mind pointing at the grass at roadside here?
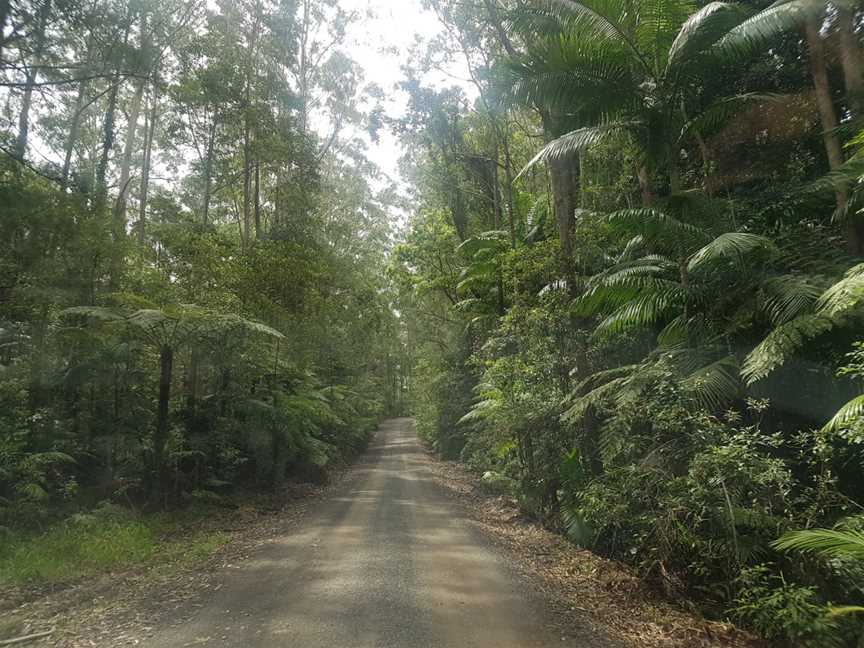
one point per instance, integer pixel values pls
(107, 539)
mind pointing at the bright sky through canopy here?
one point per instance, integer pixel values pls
(380, 42)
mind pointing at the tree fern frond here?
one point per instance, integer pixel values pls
(96, 312)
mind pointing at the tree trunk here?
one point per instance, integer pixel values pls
(303, 72)
(645, 186)
(107, 145)
(247, 174)
(850, 57)
(5, 10)
(564, 177)
(145, 165)
(257, 200)
(74, 126)
(828, 118)
(32, 73)
(160, 437)
(126, 163)
(208, 171)
(508, 179)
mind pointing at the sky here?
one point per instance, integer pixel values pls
(388, 24)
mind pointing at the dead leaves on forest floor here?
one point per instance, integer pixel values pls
(583, 588)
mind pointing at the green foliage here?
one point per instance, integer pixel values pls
(654, 377)
(782, 610)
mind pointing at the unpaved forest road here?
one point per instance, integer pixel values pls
(386, 562)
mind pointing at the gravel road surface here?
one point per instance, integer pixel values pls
(387, 561)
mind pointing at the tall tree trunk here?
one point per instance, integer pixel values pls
(850, 56)
(645, 185)
(145, 165)
(247, 172)
(107, 145)
(74, 125)
(5, 10)
(108, 131)
(208, 171)
(564, 178)
(32, 73)
(118, 224)
(247, 124)
(303, 73)
(126, 162)
(828, 118)
(508, 179)
(160, 436)
(258, 199)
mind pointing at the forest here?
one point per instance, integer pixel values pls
(620, 276)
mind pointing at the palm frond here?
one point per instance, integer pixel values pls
(657, 227)
(729, 246)
(575, 141)
(781, 343)
(658, 25)
(718, 113)
(845, 294)
(788, 296)
(714, 384)
(581, 404)
(644, 310)
(700, 31)
(851, 411)
(828, 543)
(760, 31)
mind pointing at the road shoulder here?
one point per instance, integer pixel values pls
(582, 591)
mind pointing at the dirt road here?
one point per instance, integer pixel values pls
(386, 562)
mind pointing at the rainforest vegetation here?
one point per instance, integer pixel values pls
(632, 284)
(621, 278)
(191, 290)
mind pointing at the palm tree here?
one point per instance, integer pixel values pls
(688, 286)
(637, 69)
